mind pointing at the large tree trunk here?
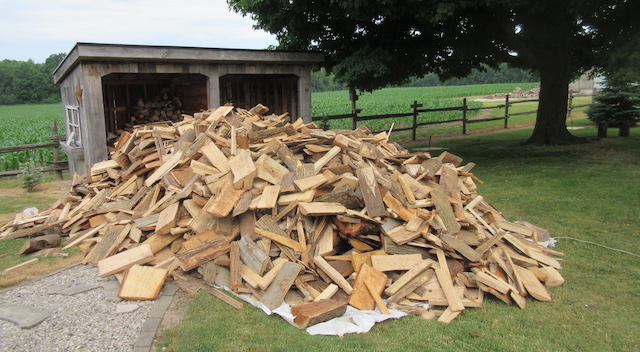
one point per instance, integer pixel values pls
(551, 119)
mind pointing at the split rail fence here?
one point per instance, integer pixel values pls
(56, 165)
(464, 118)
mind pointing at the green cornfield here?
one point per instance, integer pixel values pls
(28, 124)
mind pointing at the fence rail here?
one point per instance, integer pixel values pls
(464, 108)
(56, 165)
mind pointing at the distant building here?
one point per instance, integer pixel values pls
(587, 84)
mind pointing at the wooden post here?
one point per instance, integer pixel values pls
(415, 107)
(506, 111)
(353, 96)
(56, 149)
(464, 116)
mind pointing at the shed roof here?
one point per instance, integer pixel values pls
(153, 53)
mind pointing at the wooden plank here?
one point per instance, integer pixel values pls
(333, 274)
(266, 280)
(269, 197)
(311, 313)
(243, 170)
(395, 262)
(84, 236)
(408, 276)
(535, 288)
(252, 255)
(361, 297)
(274, 295)
(448, 316)
(376, 297)
(311, 182)
(286, 199)
(328, 292)
(167, 218)
(459, 246)
(371, 192)
(167, 166)
(270, 170)
(102, 249)
(444, 278)
(223, 203)
(396, 206)
(124, 260)
(411, 286)
(235, 264)
(279, 238)
(142, 283)
(21, 265)
(318, 165)
(216, 157)
(321, 208)
(443, 206)
(203, 253)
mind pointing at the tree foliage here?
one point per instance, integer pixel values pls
(372, 43)
(27, 82)
(616, 105)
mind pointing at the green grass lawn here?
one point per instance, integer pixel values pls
(587, 191)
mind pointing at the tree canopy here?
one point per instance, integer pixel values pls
(27, 82)
(372, 43)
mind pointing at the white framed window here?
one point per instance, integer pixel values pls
(72, 120)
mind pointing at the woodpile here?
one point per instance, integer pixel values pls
(165, 107)
(285, 211)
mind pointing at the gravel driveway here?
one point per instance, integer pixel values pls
(86, 321)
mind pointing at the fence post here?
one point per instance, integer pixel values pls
(415, 107)
(506, 111)
(353, 96)
(464, 116)
(56, 149)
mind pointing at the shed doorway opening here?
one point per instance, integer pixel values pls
(278, 92)
(136, 98)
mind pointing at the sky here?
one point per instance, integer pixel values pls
(35, 29)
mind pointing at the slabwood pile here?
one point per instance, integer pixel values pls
(285, 211)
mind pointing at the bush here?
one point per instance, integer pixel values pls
(31, 176)
(616, 106)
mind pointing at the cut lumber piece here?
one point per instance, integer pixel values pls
(534, 287)
(243, 170)
(309, 314)
(318, 165)
(444, 278)
(203, 253)
(222, 204)
(333, 274)
(106, 245)
(400, 235)
(250, 276)
(124, 260)
(311, 182)
(408, 276)
(286, 199)
(270, 170)
(358, 259)
(84, 236)
(371, 192)
(216, 157)
(21, 265)
(274, 295)
(167, 218)
(266, 280)
(459, 246)
(321, 208)
(376, 297)
(448, 316)
(235, 265)
(269, 197)
(396, 206)
(328, 292)
(361, 297)
(142, 283)
(279, 238)
(395, 262)
(550, 276)
(411, 286)
(254, 257)
(167, 166)
(484, 246)
(441, 201)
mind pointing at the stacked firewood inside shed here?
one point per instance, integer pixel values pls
(285, 211)
(167, 106)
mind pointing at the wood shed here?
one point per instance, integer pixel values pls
(105, 86)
